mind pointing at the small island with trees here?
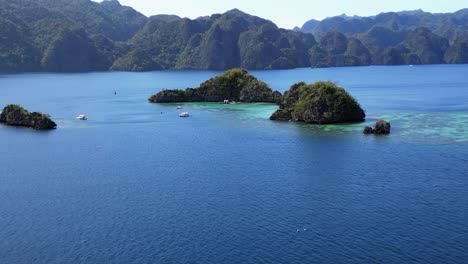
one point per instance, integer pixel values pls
(16, 115)
(233, 85)
(320, 103)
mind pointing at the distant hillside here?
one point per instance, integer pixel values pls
(82, 35)
(64, 35)
(449, 25)
(221, 41)
(407, 37)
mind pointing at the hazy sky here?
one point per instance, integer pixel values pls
(288, 14)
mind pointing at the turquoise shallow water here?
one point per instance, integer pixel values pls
(137, 184)
(437, 127)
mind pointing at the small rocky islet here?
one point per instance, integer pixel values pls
(320, 102)
(381, 127)
(16, 115)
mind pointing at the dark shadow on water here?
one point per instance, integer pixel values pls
(324, 129)
(27, 129)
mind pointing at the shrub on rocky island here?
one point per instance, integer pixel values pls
(16, 115)
(320, 102)
(233, 85)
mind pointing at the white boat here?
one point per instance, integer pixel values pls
(184, 114)
(178, 107)
(81, 117)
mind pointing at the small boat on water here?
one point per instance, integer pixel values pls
(81, 117)
(178, 107)
(184, 114)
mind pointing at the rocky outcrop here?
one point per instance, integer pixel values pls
(281, 115)
(321, 103)
(233, 85)
(15, 115)
(368, 130)
(381, 127)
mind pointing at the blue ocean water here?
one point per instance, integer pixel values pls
(137, 184)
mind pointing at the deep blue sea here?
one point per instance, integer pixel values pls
(135, 183)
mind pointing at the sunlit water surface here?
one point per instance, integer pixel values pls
(137, 184)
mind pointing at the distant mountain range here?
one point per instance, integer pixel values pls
(407, 37)
(82, 35)
(448, 25)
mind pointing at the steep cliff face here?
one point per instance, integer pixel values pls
(429, 47)
(17, 53)
(335, 49)
(458, 52)
(108, 18)
(70, 51)
(84, 35)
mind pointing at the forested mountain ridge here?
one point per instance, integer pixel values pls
(221, 41)
(82, 35)
(447, 25)
(407, 37)
(64, 35)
